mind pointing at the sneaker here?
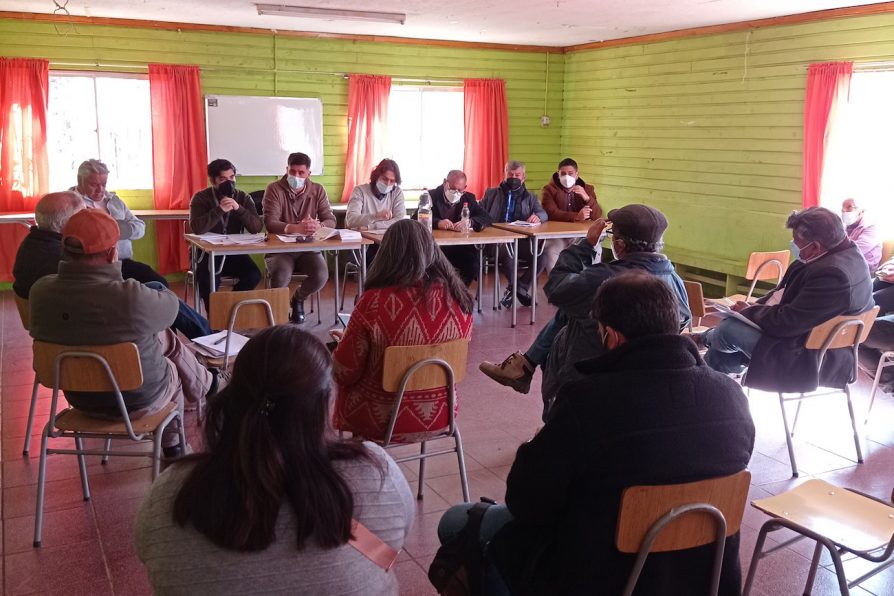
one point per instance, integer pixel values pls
(524, 299)
(506, 300)
(515, 372)
(297, 316)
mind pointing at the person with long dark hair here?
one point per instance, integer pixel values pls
(269, 505)
(379, 203)
(413, 297)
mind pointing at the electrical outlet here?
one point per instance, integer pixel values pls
(544, 121)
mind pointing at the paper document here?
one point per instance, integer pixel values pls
(216, 343)
(524, 224)
(727, 313)
(350, 235)
(288, 237)
(325, 234)
(232, 238)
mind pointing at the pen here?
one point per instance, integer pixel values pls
(220, 340)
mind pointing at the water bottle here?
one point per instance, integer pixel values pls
(465, 218)
(423, 214)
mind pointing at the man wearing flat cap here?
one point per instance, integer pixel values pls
(89, 303)
(572, 335)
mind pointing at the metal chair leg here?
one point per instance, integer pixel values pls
(421, 470)
(756, 556)
(461, 459)
(107, 448)
(797, 413)
(82, 466)
(814, 564)
(31, 409)
(788, 438)
(850, 410)
(41, 486)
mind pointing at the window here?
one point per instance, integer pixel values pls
(425, 133)
(102, 116)
(857, 161)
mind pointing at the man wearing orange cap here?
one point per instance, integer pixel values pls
(89, 303)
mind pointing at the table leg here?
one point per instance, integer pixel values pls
(211, 273)
(361, 278)
(335, 260)
(515, 281)
(496, 276)
(480, 273)
(533, 288)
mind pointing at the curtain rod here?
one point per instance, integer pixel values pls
(344, 75)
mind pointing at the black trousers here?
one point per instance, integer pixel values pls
(465, 260)
(238, 266)
(141, 272)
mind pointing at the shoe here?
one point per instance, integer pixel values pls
(699, 340)
(297, 311)
(175, 451)
(506, 300)
(515, 372)
(219, 380)
(524, 299)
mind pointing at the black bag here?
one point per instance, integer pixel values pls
(457, 569)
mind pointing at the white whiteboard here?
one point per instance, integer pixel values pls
(257, 134)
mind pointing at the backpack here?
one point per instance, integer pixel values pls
(457, 569)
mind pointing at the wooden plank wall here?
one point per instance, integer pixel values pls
(708, 129)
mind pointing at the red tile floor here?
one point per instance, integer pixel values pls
(87, 547)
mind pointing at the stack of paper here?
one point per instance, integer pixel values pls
(325, 234)
(233, 238)
(525, 224)
(350, 235)
(215, 344)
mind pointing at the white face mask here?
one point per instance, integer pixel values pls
(850, 217)
(453, 196)
(295, 182)
(384, 188)
(567, 181)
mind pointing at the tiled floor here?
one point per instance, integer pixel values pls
(87, 547)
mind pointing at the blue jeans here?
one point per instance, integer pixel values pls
(188, 321)
(543, 343)
(497, 516)
(730, 345)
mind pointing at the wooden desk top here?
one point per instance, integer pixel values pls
(26, 219)
(273, 245)
(550, 229)
(150, 214)
(448, 238)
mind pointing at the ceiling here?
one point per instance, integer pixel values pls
(528, 22)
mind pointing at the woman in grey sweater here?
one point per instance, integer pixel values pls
(268, 507)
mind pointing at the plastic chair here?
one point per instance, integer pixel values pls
(190, 281)
(840, 332)
(410, 368)
(114, 368)
(841, 520)
(763, 266)
(674, 517)
(253, 309)
(696, 298)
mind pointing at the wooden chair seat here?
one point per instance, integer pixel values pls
(72, 420)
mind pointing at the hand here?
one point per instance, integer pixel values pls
(740, 305)
(462, 226)
(445, 224)
(383, 215)
(583, 214)
(309, 226)
(533, 219)
(581, 192)
(594, 232)
(292, 229)
(337, 335)
(228, 204)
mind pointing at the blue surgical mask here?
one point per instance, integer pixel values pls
(384, 188)
(796, 252)
(295, 182)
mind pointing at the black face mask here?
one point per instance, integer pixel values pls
(513, 183)
(227, 188)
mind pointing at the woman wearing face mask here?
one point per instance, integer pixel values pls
(567, 198)
(379, 203)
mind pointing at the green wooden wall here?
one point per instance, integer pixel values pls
(270, 65)
(708, 128)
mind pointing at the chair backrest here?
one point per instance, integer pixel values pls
(80, 373)
(696, 298)
(249, 316)
(842, 332)
(399, 359)
(767, 265)
(258, 197)
(642, 506)
(24, 308)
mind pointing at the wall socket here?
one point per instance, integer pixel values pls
(544, 121)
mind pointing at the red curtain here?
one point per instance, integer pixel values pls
(24, 167)
(827, 84)
(486, 133)
(367, 116)
(179, 153)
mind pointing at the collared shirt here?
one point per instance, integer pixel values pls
(131, 227)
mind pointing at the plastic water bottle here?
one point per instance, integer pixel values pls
(423, 214)
(465, 219)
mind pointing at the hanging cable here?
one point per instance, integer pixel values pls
(61, 10)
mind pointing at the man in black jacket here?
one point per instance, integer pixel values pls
(509, 202)
(447, 202)
(649, 411)
(830, 278)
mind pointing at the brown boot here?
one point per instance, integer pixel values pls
(516, 372)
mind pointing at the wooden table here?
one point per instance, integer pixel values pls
(546, 231)
(487, 236)
(274, 245)
(24, 219)
(27, 218)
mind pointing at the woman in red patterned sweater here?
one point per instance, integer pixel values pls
(413, 297)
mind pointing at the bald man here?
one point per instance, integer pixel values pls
(41, 250)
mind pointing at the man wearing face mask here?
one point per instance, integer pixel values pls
(509, 202)
(448, 201)
(829, 279)
(295, 204)
(567, 198)
(863, 232)
(223, 209)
